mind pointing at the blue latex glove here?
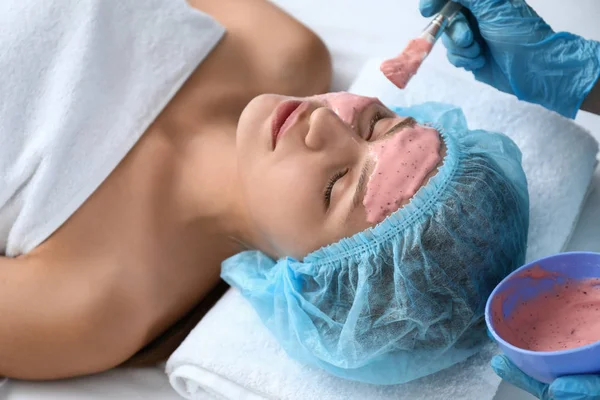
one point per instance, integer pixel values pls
(575, 387)
(508, 46)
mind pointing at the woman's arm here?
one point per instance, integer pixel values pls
(592, 101)
(51, 326)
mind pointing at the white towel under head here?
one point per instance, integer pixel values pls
(231, 355)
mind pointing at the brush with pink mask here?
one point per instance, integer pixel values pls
(401, 68)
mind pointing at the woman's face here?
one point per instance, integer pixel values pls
(305, 164)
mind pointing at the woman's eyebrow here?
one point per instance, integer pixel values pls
(360, 186)
(408, 121)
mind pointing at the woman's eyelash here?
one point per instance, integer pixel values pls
(330, 185)
(374, 119)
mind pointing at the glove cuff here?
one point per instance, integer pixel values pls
(594, 77)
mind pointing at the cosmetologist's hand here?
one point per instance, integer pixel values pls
(508, 46)
(575, 387)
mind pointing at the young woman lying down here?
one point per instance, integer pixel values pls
(148, 148)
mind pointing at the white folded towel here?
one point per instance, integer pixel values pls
(231, 355)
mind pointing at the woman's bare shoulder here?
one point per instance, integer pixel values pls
(280, 54)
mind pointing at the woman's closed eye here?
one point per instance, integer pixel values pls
(375, 118)
(330, 184)
(382, 123)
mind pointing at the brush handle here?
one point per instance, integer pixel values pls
(450, 10)
(438, 24)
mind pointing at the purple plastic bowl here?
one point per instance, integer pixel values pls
(545, 366)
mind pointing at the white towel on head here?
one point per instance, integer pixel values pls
(230, 354)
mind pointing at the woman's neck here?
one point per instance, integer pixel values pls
(205, 192)
(200, 125)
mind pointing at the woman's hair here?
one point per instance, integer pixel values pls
(164, 345)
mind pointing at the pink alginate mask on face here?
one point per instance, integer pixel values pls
(401, 68)
(403, 162)
(346, 105)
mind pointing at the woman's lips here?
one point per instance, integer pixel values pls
(286, 115)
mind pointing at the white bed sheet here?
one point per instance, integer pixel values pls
(118, 384)
(354, 30)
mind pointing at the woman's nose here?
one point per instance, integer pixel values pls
(327, 131)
